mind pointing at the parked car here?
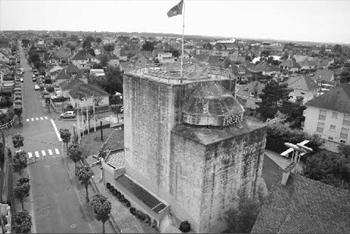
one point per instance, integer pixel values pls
(22, 80)
(34, 79)
(36, 87)
(67, 115)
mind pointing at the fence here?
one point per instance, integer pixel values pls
(8, 124)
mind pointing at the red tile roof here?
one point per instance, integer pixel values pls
(304, 206)
(337, 99)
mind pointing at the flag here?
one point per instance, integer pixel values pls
(176, 10)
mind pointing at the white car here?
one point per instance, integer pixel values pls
(36, 87)
(67, 114)
(22, 80)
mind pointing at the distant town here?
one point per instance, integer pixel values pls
(159, 133)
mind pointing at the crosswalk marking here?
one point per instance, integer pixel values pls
(37, 119)
(44, 153)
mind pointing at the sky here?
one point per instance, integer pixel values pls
(295, 20)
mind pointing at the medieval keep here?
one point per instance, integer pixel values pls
(188, 149)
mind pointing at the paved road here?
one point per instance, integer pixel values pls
(57, 207)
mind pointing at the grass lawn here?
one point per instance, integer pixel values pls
(112, 139)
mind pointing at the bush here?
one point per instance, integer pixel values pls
(50, 89)
(132, 210)
(108, 185)
(278, 134)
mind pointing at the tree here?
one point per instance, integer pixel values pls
(18, 112)
(108, 47)
(114, 80)
(272, 95)
(104, 59)
(265, 53)
(148, 46)
(73, 37)
(19, 161)
(294, 110)
(98, 40)
(22, 189)
(75, 153)
(33, 57)
(22, 222)
(242, 218)
(337, 49)
(65, 136)
(17, 140)
(86, 44)
(329, 168)
(84, 174)
(90, 38)
(344, 150)
(102, 208)
(57, 42)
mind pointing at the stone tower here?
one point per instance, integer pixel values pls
(187, 142)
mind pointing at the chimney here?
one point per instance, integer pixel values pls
(286, 172)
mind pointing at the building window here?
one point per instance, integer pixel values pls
(332, 128)
(320, 127)
(346, 120)
(344, 133)
(322, 115)
(330, 138)
(302, 93)
(342, 141)
(335, 115)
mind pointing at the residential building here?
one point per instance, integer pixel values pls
(63, 88)
(4, 57)
(290, 65)
(83, 96)
(328, 115)
(303, 86)
(83, 60)
(297, 204)
(250, 94)
(324, 76)
(69, 72)
(166, 57)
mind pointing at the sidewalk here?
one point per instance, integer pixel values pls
(126, 222)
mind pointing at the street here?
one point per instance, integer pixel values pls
(56, 205)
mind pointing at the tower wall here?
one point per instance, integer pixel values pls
(231, 165)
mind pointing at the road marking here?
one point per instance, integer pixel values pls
(32, 119)
(43, 152)
(41, 118)
(37, 154)
(27, 120)
(57, 133)
(30, 155)
(57, 151)
(45, 117)
(37, 118)
(50, 151)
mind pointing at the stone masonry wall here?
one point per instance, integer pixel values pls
(231, 165)
(186, 178)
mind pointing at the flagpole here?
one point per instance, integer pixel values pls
(182, 46)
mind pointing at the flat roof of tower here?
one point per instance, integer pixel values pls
(191, 72)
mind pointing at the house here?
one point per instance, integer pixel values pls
(290, 65)
(69, 72)
(267, 69)
(84, 94)
(307, 65)
(166, 57)
(83, 60)
(200, 58)
(324, 76)
(303, 86)
(141, 61)
(250, 93)
(297, 204)
(4, 57)
(241, 73)
(323, 63)
(64, 87)
(328, 115)
(215, 61)
(59, 55)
